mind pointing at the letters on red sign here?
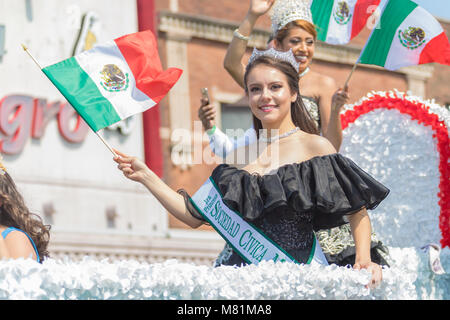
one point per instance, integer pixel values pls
(22, 116)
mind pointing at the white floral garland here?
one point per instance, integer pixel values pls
(440, 111)
(92, 279)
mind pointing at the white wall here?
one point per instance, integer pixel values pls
(80, 179)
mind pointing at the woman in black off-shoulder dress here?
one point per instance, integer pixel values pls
(303, 186)
(297, 199)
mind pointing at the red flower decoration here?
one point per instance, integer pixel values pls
(421, 113)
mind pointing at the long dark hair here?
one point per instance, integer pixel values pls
(14, 213)
(300, 116)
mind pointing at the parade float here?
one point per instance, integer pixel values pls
(401, 140)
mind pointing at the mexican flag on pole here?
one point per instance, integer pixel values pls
(339, 21)
(406, 35)
(115, 80)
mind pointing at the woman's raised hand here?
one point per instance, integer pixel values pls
(340, 97)
(131, 167)
(207, 114)
(260, 7)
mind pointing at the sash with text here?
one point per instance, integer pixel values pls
(251, 244)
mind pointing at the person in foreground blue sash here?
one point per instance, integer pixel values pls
(303, 186)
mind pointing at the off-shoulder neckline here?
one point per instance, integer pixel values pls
(275, 171)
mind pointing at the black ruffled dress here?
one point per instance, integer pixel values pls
(298, 199)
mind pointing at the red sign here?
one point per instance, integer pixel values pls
(23, 116)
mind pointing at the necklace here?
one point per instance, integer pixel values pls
(281, 136)
(304, 72)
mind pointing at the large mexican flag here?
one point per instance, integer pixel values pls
(339, 21)
(115, 80)
(406, 35)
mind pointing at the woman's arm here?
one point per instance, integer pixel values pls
(334, 132)
(136, 170)
(233, 58)
(361, 231)
(221, 144)
(330, 104)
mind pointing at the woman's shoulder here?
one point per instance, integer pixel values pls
(323, 80)
(318, 145)
(303, 147)
(15, 235)
(19, 244)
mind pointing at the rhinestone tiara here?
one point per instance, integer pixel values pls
(287, 56)
(285, 11)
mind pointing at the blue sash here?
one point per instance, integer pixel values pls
(251, 244)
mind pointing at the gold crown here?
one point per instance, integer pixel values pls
(2, 167)
(285, 11)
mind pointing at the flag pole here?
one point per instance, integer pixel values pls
(376, 26)
(351, 73)
(100, 137)
(29, 54)
(106, 144)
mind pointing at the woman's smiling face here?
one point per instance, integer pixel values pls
(302, 44)
(269, 94)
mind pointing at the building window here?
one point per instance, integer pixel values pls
(49, 211)
(111, 216)
(236, 116)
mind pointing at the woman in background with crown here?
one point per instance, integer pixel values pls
(304, 186)
(23, 235)
(293, 29)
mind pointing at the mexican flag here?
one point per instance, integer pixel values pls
(339, 21)
(114, 81)
(406, 35)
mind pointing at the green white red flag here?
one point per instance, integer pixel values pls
(406, 35)
(115, 80)
(339, 21)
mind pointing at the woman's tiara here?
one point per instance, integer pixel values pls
(285, 11)
(287, 56)
(2, 167)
